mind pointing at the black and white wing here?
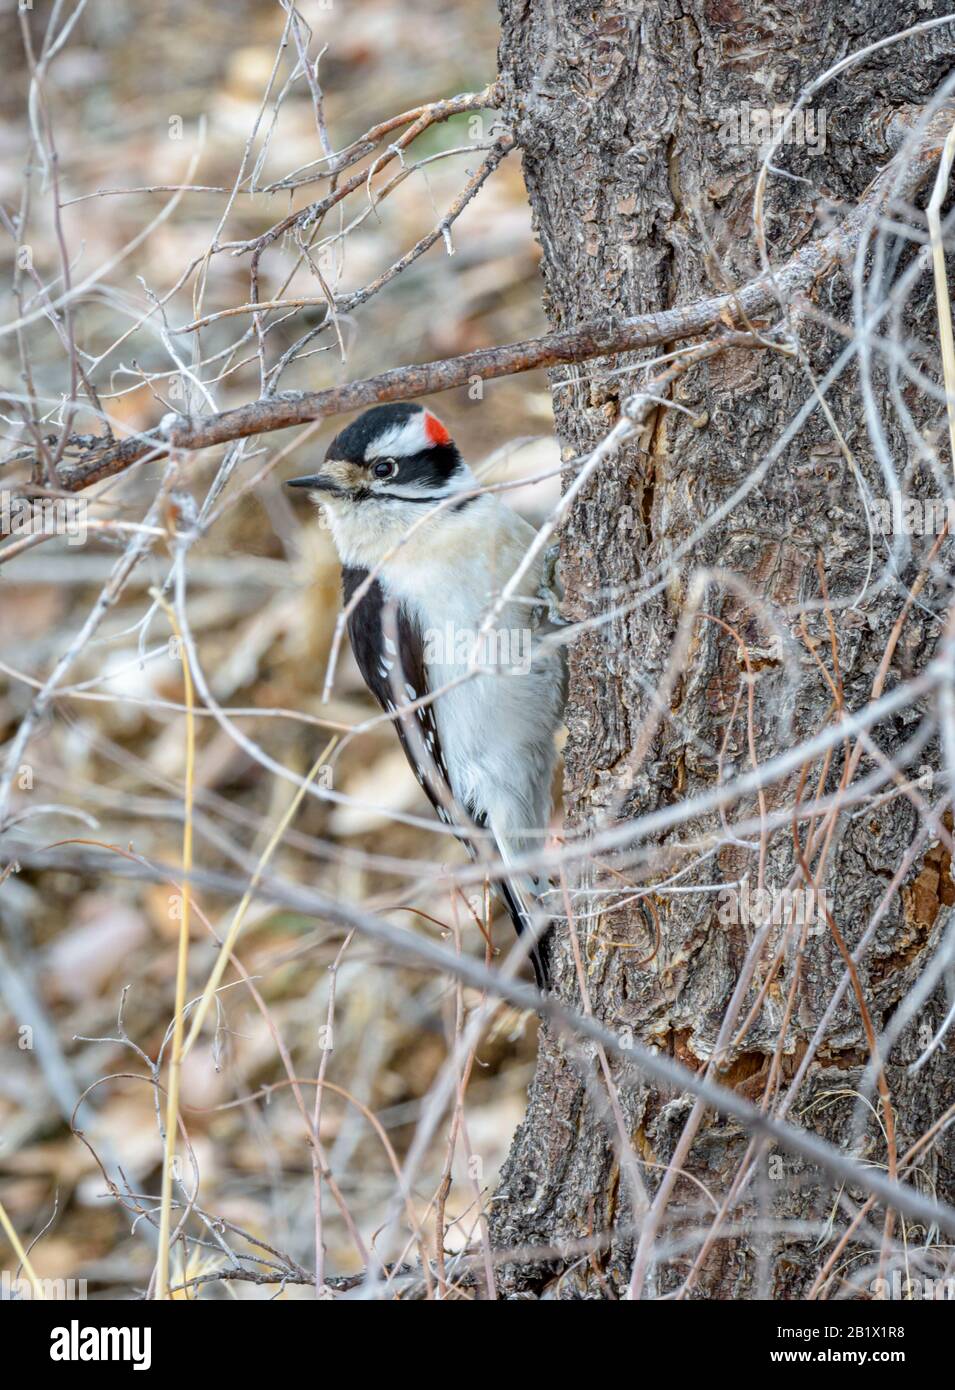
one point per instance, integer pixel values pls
(394, 666)
(394, 670)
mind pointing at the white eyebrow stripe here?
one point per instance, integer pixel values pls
(400, 441)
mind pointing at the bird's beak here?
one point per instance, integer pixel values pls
(315, 482)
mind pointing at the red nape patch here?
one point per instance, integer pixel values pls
(434, 429)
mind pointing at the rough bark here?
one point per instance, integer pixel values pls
(640, 206)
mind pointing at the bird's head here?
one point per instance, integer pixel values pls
(382, 473)
(391, 454)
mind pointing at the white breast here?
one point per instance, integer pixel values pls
(496, 730)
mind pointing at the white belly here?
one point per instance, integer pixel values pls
(496, 729)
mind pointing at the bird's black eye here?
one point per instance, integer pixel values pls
(385, 468)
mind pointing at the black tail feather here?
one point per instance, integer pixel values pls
(539, 952)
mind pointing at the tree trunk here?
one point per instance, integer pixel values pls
(642, 192)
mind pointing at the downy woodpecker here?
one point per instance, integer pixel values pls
(483, 747)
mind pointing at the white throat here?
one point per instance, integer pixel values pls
(367, 532)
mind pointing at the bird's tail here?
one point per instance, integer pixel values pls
(521, 894)
(527, 915)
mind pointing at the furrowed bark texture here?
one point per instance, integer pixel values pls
(640, 204)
